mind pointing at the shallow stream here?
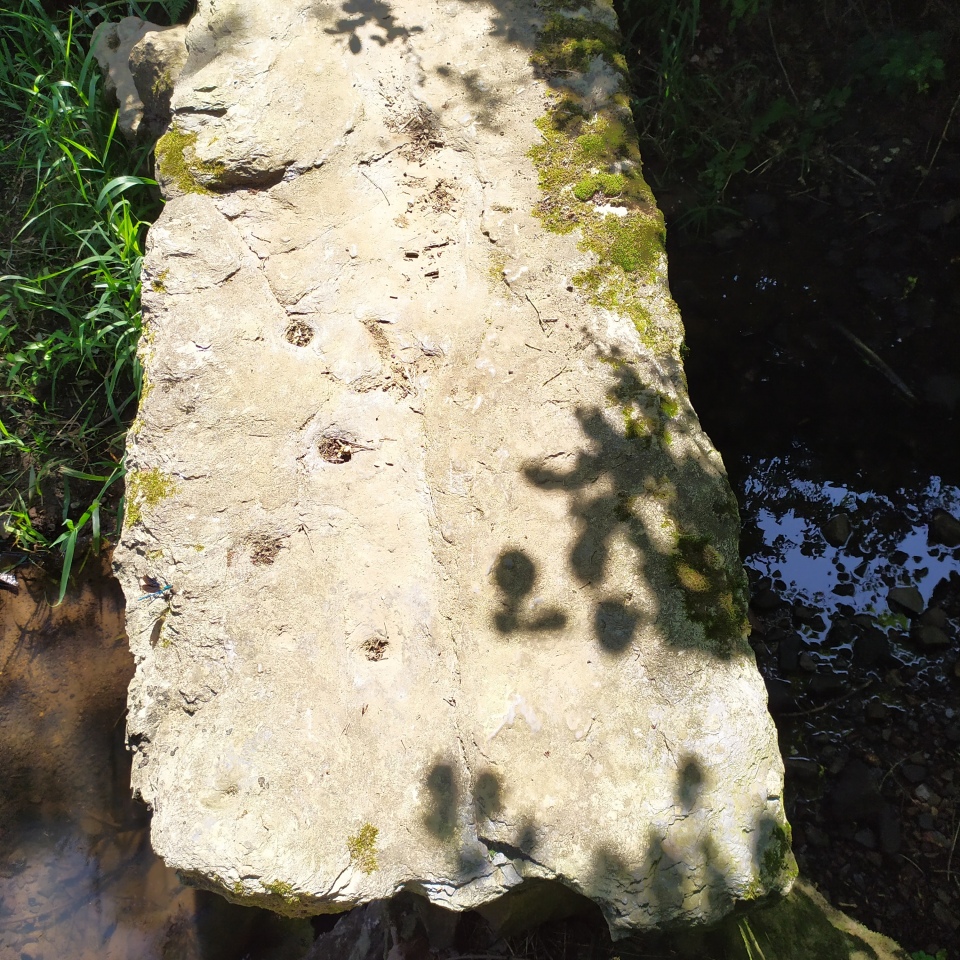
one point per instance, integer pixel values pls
(825, 365)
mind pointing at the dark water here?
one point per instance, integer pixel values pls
(78, 878)
(828, 375)
(825, 365)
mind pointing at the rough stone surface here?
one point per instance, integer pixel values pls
(449, 592)
(141, 61)
(155, 63)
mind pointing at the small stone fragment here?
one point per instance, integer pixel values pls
(944, 528)
(914, 772)
(804, 613)
(876, 711)
(836, 531)
(906, 600)
(930, 637)
(934, 617)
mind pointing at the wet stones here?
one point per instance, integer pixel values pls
(836, 531)
(944, 528)
(906, 600)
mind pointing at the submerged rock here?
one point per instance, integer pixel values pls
(906, 600)
(451, 596)
(836, 531)
(944, 528)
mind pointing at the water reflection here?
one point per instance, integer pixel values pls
(889, 544)
(787, 510)
(78, 878)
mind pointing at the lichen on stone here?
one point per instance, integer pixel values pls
(145, 489)
(714, 592)
(363, 848)
(177, 161)
(158, 284)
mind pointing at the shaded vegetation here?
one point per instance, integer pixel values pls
(746, 92)
(75, 203)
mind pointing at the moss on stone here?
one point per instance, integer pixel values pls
(363, 848)
(145, 489)
(590, 154)
(778, 856)
(498, 262)
(607, 184)
(715, 595)
(571, 43)
(646, 412)
(190, 175)
(778, 866)
(280, 888)
(163, 85)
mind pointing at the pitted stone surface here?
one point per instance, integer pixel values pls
(446, 541)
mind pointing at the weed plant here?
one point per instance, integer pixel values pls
(728, 90)
(75, 203)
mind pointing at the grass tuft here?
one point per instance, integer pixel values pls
(75, 204)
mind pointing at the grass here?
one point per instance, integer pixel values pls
(75, 204)
(734, 91)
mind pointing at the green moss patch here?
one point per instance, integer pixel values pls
(778, 859)
(714, 594)
(607, 184)
(589, 171)
(571, 43)
(177, 161)
(145, 489)
(363, 848)
(281, 889)
(646, 413)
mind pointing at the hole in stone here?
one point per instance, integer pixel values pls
(299, 333)
(375, 648)
(264, 550)
(335, 449)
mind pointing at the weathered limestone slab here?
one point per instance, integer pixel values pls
(456, 592)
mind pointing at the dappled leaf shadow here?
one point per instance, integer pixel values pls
(515, 574)
(378, 13)
(624, 468)
(444, 798)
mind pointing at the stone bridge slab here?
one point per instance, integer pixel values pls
(447, 594)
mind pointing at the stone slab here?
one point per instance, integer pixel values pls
(455, 597)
